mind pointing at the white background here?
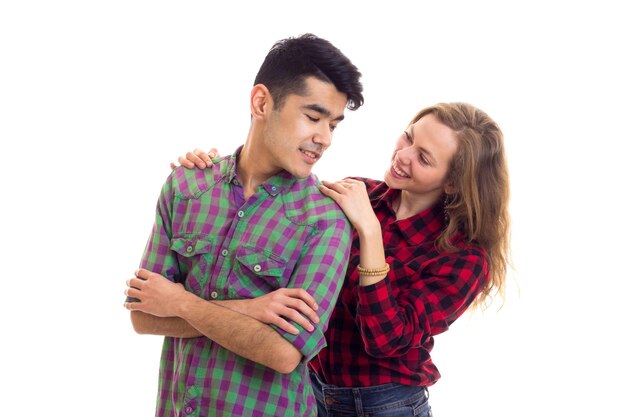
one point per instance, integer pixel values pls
(96, 98)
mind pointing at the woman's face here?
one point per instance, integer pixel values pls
(422, 157)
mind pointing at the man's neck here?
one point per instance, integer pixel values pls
(251, 171)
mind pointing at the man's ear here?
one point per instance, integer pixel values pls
(261, 102)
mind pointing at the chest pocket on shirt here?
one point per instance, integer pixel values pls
(256, 272)
(194, 258)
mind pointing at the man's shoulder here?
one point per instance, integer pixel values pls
(306, 202)
(192, 183)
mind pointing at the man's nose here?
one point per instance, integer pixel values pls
(324, 136)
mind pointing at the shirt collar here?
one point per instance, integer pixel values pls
(423, 226)
(274, 185)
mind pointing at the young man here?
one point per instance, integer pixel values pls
(255, 222)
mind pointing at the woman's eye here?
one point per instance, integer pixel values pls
(406, 135)
(423, 160)
(313, 119)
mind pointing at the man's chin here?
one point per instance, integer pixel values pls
(301, 173)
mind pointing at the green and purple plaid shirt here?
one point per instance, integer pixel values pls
(221, 247)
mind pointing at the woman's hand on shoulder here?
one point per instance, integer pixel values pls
(351, 195)
(197, 159)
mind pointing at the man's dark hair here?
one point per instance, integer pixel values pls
(292, 60)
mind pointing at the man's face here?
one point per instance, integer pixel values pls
(296, 136)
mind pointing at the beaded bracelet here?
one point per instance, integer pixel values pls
(371, 272)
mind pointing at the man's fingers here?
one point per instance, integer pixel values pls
(306, 311)
(303, 311)
(296, 317)
(300, 309)
(299, 306)
(303, 295)
(132, 293)
(142, 274)
(136, 306)
(285, 325)
(135, 283)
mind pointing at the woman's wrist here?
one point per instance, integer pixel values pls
(373, 272)
(369, 229)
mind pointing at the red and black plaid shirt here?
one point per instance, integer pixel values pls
(383, 332)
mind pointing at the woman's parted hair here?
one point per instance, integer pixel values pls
(478, 173)
(290, 61)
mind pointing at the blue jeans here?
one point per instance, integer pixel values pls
(389, 400)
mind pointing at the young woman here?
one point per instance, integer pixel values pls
(431, 240)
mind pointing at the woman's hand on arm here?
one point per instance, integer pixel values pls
(197, 159)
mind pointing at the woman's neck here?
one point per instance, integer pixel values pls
(408, 204)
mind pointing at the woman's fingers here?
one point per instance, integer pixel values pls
(196, 160)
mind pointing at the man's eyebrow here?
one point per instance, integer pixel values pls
(323, 111)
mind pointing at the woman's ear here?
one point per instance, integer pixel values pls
(261, 101)
(450, 188)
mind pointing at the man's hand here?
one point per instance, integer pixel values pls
(284, 304)
(156, 294)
